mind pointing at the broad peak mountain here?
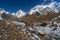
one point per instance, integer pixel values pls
(42, 9)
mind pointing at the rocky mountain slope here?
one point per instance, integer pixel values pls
(30, 27)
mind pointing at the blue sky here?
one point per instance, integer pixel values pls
(25, 5)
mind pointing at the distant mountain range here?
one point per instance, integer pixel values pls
(37, 10)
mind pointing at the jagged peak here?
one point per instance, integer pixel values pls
(20, 13)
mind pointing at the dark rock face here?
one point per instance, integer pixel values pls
(37, 13)
(43, 24)
(5, 16)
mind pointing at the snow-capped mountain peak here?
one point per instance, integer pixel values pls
(2, 10)
(37, 9)
(20, 13)
(42, 9)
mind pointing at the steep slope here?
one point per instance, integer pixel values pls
(1, 12)
(4, 14)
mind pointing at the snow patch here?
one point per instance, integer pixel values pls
(18, 23)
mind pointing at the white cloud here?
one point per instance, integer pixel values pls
(43, 2)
